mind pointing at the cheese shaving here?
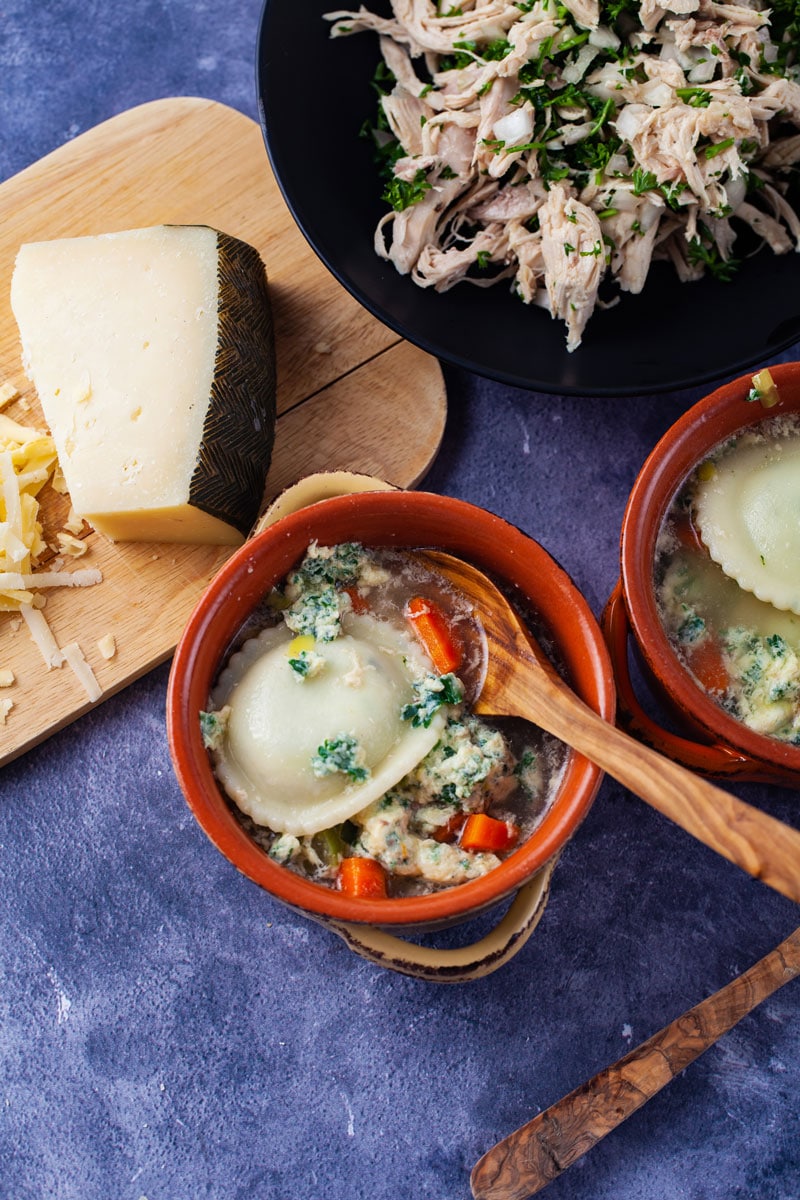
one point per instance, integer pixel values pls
(73, 656)
(50, 579)
(42, 635)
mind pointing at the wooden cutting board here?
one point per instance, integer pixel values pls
(344, 379)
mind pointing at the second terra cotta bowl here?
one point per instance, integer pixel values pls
(392, 519)
(703, 735)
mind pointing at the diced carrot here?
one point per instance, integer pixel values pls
(435, 634)
(448, 831)
(363, 877)
(488, 834)
(360, 603)
(708, 665)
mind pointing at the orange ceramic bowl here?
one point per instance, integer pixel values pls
(396, 519)
(715, 743)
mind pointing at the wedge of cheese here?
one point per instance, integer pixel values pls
(152, 354)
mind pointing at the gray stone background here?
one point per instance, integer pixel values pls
(169, 1032)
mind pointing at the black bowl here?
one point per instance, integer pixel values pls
(314, 96)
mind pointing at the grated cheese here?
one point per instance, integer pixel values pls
(27, 462)
(73, 656)
(50, 579)
(73, 523)
(71, 545)
(42, 635)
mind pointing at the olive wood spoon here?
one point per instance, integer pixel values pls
(520, 681)
(539, 1151)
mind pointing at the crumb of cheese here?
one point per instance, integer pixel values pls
(7, 677)
(72, 545)
(107, 646)
(7, 393)
(5, 708)
(58, 482)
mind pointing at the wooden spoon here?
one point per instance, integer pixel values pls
(535, 1154)
(521, 681)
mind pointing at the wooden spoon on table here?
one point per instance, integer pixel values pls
(520, 681)
(539, 1151)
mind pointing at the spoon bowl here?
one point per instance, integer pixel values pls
(521, 681)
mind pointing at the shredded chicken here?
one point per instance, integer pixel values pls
(563, 147)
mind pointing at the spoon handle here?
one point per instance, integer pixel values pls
(527, 1160)
(766, 848)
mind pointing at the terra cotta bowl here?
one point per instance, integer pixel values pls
(389, 518)
(710, 740)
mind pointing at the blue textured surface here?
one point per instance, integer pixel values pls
(168, 1032)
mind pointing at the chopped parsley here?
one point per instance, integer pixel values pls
(401, 193)
(643, 181)
(703, 250)
(718, 147)
(697, 97)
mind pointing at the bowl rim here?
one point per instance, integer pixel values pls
(221, 610)
(682, 447)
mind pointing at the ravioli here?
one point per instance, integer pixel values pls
(276, 724)
(748, 514)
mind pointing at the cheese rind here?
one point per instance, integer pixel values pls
(152, 353)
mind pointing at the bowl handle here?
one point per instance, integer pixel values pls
(465, 963)
(715, 759)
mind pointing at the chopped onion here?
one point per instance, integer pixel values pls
(657, 94)
(629, 120)
(703, 70)
(516, 127)
(574, 72)
(603, 38)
